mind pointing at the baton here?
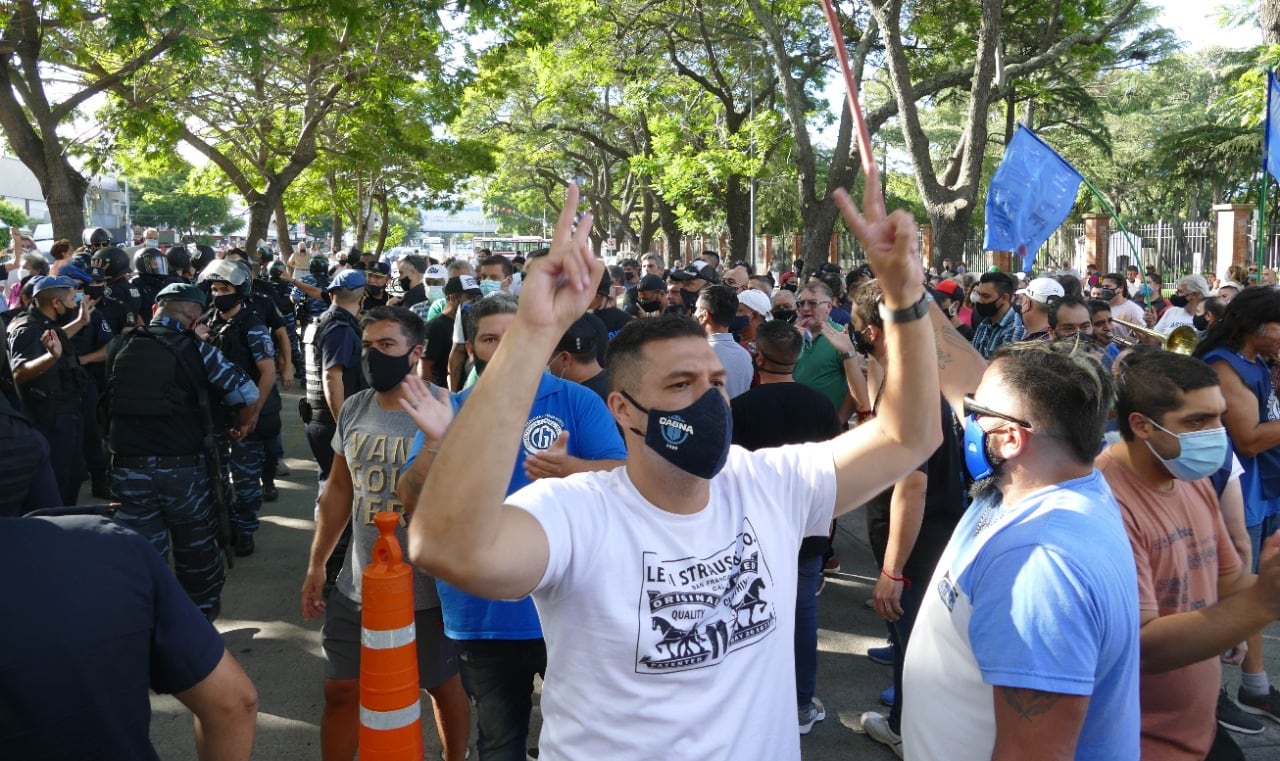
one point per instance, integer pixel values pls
(842, 55)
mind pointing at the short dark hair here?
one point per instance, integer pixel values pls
(411, 325)
(624, 358)
(766, 278)
(1216, 306)
(721, 303)
(834, 282)
(417, 261)
(779, 342)
(1152, 383)
(494, 303)
(1098, 305)
(1065, 301)
(507, 268)
(1071, 285)
(866, 304)
(1252, 308)
(1002, 281)
(1065, 391)
(1114, 277)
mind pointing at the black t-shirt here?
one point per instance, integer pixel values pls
(602, 335)
(773, 414)
(104, 600)
(944, 502)
(415, 295)
(439, 344)
(598, 384)
(613, 319)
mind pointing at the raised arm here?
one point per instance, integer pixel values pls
(905, 430)
(461, 531)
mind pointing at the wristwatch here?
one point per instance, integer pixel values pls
(848, 355)
(910, 314)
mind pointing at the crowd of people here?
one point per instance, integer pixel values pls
(1072, 520)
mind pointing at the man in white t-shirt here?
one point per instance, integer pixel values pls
(1185, 304)
(666, 587)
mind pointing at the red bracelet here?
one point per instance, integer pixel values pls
(905, 581)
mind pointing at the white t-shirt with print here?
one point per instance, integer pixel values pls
(671, 636)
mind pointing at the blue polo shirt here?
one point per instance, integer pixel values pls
(560, 405)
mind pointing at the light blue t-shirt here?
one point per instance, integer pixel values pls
(560, 405)
(1040, 594)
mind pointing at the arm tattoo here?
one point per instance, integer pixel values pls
(1029, 704)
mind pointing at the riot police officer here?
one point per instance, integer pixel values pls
(49, 378)
(239, 333)
(310, 292)
(153, 274)
(259, 300)
(94, 238)
(179, 258)
(164, 386)
(121, 303)
(91, 349)
(279, 290)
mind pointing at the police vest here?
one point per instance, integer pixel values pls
(352, 378)
(232, 339)
(58, 390)
(154, 375)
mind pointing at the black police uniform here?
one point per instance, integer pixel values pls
(53, 400)
(26, 477)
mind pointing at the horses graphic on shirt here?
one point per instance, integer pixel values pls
(695, 611)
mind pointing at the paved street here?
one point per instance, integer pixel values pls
(264, 630)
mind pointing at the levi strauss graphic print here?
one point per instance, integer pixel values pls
(695, 611)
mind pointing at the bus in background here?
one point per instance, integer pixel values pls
(510, 246)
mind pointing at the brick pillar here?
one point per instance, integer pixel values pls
(1097, 234)
(1004, 260)
(926, 245)
(1231, 221)
(833, 251)
(768, 252)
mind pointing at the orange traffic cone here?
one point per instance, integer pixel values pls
(390, 714)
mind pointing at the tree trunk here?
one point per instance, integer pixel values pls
(951, 227)
(282, 228)
(670, 230)
(384, 224)
(331, 182)
(64, 190)
(259, 220)
(738, 217)
(648, 224)
(1271, 21)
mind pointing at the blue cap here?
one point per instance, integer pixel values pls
(347, 280)
(76, 274)
(44, 283)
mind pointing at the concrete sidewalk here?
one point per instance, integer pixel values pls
(263, 628)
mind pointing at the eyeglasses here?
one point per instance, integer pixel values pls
(977, 410)
(810, 303)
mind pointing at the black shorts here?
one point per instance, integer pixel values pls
(340, 638)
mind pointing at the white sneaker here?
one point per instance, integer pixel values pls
(811, 714)
(876, 725)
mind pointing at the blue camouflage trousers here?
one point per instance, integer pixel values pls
(245, 464)
(174, 507)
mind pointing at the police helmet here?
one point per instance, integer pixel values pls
(233, 273)
(275, 271)
(112, 260)
(179, 258)
(95, 237)
(319, 266)
(265, 254)
(202, 257)
(151, 261)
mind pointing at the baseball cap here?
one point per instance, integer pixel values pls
(347, 280)
(757, 301)
(76, 274)
(45, 283)
(948, 288)
(787, 277)
(436, 272)
(651, 283)
(181, 292)
(1042, 289)
(580, 338)
(703, 270)
(681, 275)
(378, 268)
(462, 284)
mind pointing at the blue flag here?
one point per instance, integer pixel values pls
(1030, 195)
(1271, 137)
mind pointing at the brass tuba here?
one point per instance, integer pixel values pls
(1182, 340)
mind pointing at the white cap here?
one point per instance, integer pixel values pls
(436, 272)
(757, 301)
(1041, 289)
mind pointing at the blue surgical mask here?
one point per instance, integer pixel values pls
(489, 286)
(695, 439)
(1201, 454)
(79, 297)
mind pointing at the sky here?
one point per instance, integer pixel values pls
(1196, 22)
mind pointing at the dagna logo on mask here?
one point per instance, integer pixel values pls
(675, 430)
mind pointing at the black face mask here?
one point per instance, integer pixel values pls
(986, 308)
(374, 290)
(1107, 294)
(479, 365)
(1200, 322)
(94, 292)
(786, 315)
(861, 344)
(690, 299)
(405, 283)
(739, 324)
(226, 302)
(695, 439)
(383, 372)
(650, 306)
(1178, 300)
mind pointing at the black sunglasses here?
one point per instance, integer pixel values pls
(973, 408)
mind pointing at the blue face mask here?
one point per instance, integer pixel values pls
(695, 439)
(739, 324)
(489, 286)
(976, 459)
(1202, 453)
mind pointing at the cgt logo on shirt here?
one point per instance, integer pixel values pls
(675, 430)
(541, 432)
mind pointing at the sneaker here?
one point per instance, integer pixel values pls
(832, 565)
(283, 471)
(881, 655)
(1234, 718)
(869, 603)
(876, 725)
(888, 696)
(1261, 705)
(811, 714)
